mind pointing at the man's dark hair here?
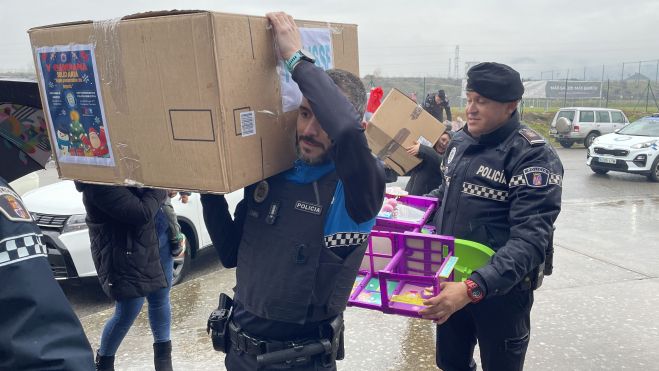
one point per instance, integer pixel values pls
(351, 86)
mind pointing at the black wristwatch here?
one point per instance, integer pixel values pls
(297, 57)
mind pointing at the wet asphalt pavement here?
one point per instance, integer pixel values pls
(597, 311)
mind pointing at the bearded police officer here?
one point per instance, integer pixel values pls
(38, 328)
(298, 238)
(502, 188)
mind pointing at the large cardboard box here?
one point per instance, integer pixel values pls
(396, 125)
(183, 100)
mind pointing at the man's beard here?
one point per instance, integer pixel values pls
(320, 159)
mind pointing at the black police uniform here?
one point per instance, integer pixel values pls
(38, 328)
(293, 276)
(437, 109)
(502, 190)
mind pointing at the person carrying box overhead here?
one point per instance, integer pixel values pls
(298, 238)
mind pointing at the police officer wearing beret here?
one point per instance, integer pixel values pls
(501, 188)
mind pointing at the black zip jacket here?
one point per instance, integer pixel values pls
(502, 190)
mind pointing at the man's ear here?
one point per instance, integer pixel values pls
(511, 107)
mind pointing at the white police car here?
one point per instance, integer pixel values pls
(632, 149)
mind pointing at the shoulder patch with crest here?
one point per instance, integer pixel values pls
(531, 136)
(12, 207)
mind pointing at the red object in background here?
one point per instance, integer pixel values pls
(374, 99)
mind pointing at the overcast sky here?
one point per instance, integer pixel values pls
(416, 37)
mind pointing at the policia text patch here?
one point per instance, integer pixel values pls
(308, 207)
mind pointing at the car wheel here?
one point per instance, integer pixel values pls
(654, 171)
(590, 139)
(566, 143)
(181, 264)
(599, 171)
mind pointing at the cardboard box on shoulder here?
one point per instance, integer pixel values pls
(190, 100)
(396, 125)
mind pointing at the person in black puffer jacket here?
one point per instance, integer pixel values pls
(130, 248)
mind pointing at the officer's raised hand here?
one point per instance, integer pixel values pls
(287, 35)
(452, 298)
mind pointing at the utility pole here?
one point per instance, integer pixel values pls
(638, 81)
(601, 82)
(449, 68)
(456, 62)
(622, 73)
(584, 74)
(565, 94)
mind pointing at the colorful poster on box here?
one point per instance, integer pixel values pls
(318, 41)
(69, 78)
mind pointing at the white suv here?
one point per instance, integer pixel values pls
(60, 213)
(583, 124)
(633, 149)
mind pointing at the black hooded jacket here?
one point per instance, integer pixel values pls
(123, 236)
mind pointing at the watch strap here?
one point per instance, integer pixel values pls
(293, 61)
(474, 291)
(298, 56)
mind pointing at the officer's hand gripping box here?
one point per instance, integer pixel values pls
(184, 99)
(396, 125)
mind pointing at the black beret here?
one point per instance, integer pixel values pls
(495, 81)
(441, 93)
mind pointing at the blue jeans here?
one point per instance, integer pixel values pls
(125, 311)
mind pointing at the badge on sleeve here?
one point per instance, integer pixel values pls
(451, 155)
(12, 207)
(536, 177)
(261, 191)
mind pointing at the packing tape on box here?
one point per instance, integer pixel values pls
(416, 112)
(107, 41)
(128, 166)
(393, 145)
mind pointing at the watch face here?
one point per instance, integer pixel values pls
(307, 54)
(477, 293)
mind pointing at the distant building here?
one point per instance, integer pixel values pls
(637, 77)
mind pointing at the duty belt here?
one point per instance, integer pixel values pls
(254, 346)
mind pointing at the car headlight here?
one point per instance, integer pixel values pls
(644, 144)
(75, 223)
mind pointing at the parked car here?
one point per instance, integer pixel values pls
(59, 211)
(25, 183)
(632, 149)
(583, 124)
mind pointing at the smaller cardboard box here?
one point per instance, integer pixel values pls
(397, 124)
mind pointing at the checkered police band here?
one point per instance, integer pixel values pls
(535, 177)
(484, 192)
(345, 239)
(19, 248)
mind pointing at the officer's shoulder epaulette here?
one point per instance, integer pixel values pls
(531, 136)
